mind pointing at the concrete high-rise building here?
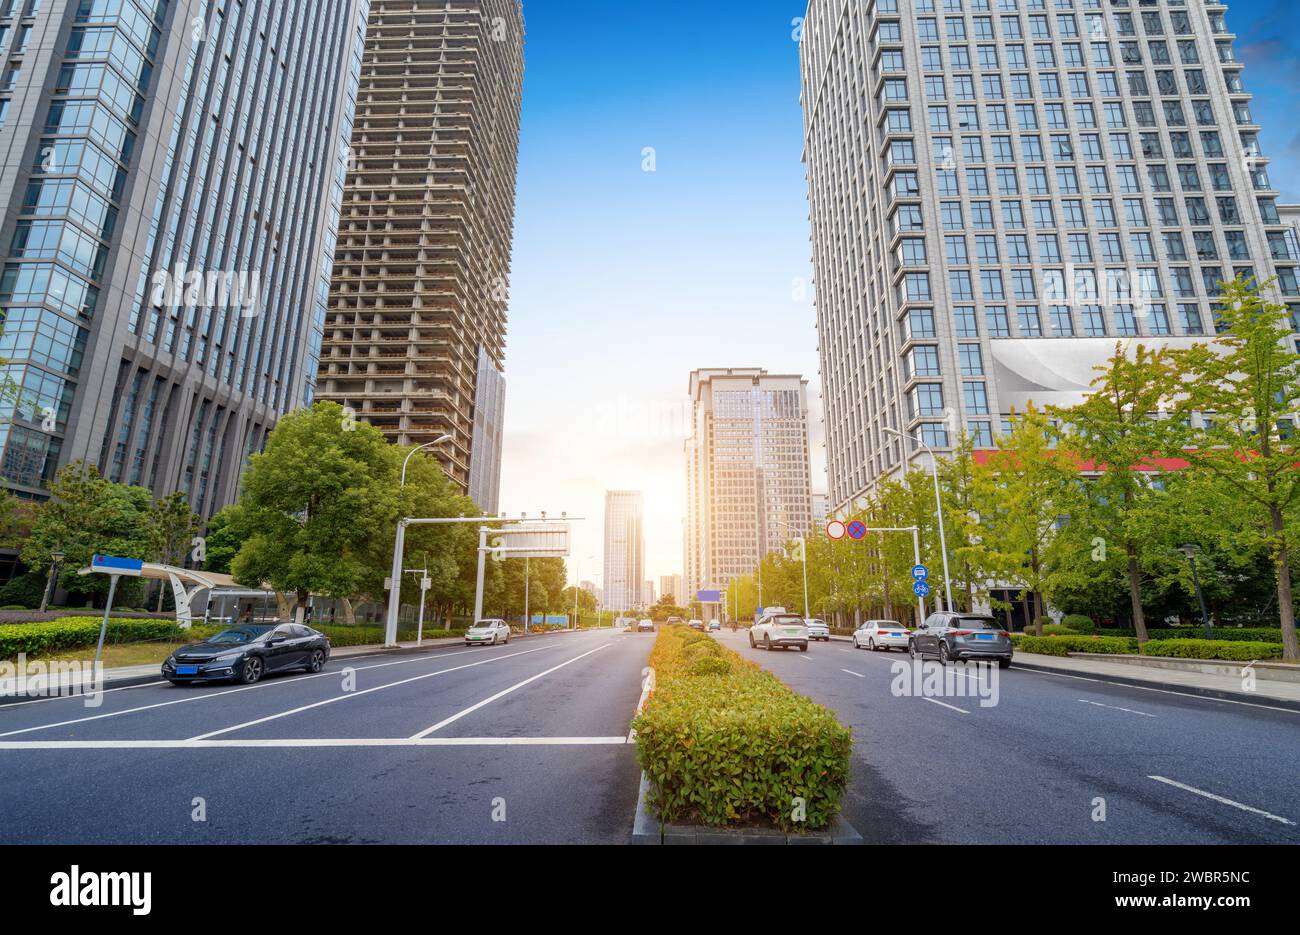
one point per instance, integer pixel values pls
(624, 550)
(171, 184)
(648, 597)
(416, 336)
(671, 586)
(820, 510)
(748, 476)
(1000, 190)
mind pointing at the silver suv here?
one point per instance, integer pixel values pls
(952, 636)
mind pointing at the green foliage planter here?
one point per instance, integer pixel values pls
(80, 632)
(1232, 650)
(1064, 645)
(724, 742)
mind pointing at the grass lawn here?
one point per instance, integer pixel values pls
(126, 654)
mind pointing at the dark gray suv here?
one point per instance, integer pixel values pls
(952, 636)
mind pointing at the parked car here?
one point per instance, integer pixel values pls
(646, 624)
(780, 629)
(696, 624)
(490, 631)
(951, 636)
(817, 629)
(881, 634)
(715, 624)
(246, 653)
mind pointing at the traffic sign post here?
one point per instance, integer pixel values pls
(114, 567)
(921, 589)
(919, 572)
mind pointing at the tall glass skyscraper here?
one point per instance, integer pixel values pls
(417, 321)
(1002, 189)
(172, 178)
(624, 550)
(748, 479)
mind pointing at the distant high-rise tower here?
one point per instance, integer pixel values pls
(748, 476)
(415, 341)
(624, 549)
(171, 186)
(1000, 190)
(671, 586)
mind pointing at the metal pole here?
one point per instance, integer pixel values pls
(478, 590)
(916, 552)
(395, 595)
(528, 618)
(1205, 614)
(943, 543)
(576, 579)
(103, 627)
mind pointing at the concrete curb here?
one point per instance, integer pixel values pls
(647, 829)
(1265, 701)
(343, 652)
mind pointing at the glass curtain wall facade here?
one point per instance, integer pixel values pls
(172, 180)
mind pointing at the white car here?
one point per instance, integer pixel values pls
(646, 624)
(696, 624)
(817, 629)
(490, 631)
(780, 629)
(881, 634)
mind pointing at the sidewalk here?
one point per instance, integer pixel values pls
(129, 676)
(1160, 676)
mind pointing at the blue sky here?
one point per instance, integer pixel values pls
(625, 280)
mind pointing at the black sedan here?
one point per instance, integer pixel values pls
(246, 653)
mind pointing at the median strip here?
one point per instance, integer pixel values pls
(312, 742)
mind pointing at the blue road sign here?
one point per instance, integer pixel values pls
(709, 597)
(921, 589)
(920, 572)
(857, 529)
(112, 565)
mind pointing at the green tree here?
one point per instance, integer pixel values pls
(225, 534)
(1116, 434)
(1248, 386)
(172, 527)
(88, 514)
(315, 503)
(1020, 493)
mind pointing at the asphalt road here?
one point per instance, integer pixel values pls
(522, 743)
(1032, 767)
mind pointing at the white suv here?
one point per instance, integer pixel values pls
(817, 629)
(780, 629)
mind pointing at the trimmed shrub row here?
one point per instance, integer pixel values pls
(725, 742)
(1234, 650)
(79, 632)
(1063, 645)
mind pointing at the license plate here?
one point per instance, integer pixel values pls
(792, 632)
(187, 670)
(983, 636)
(893, 634)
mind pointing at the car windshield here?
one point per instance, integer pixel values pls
(886, 624)
(240, 635)
(484, 624)
(978, 623)
(785, 621)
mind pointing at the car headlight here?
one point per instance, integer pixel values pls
(226, 659)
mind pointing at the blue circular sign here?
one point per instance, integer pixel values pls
(857, 529)
(920, 589)
(920, 572)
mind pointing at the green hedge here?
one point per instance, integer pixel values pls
(68, 633)
(1078, 623)
(725, 742)
(1233, 650)
(1064, 645)
(369, 636)
(1237, 634)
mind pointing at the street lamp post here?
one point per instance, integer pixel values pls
(56, 559)
(938, 505)
(407, 459)
(803, 554)
(1190, 551)
(395, 593)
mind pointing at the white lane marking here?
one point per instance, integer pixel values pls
(1162, 691)
(229, 691)
(310, 742)
(501, 694)
(1115, 707)
(337, 658)
(345, 697)
(805, 657)
(851, 672)
(19, 704)
(945, 705)
(1219, 798)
